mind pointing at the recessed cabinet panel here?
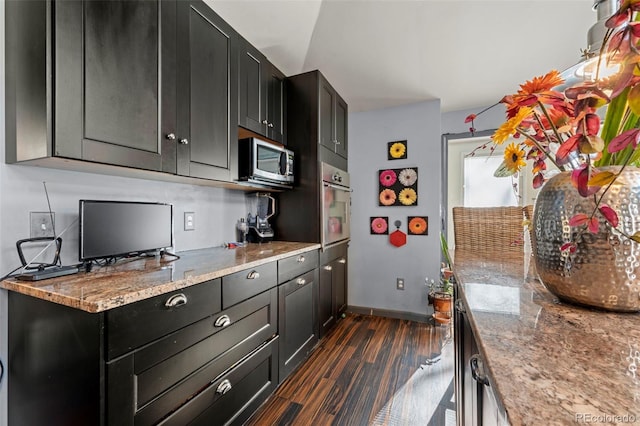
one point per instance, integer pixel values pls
(252, 89)
(341, 128)
(209, 110)
(276, 108)
(121, 68)
(326, 117)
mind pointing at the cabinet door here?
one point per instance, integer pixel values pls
(327, 114)
(109, 71)
(341, 127)
(253, 89)
(326, 304)
(207, 93)
(340, 284)
(297, 320)
(276, 108)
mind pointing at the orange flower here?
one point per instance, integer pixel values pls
(541, 84)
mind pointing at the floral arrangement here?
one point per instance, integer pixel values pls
(564, 127)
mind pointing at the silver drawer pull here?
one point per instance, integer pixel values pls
(176, 300)
(253, 275)
(224, 387)
(301, 281)
(328, 268)
(342, 261)
(265, 121)
(477, 370)
(300, 259)
(222, 321)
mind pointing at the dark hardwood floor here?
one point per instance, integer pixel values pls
(370, 371)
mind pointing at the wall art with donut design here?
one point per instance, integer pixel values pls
(396, 150)
(379, 225)
(418, 225)
(398, 187)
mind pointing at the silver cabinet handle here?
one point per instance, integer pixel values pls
(300, 259)
(328, 268)
(265, 121)
(477, 370)
(253, 275)
(176, 300)
(342, 261)
(184, 141)
(270, 125)
(301, 281)
(337, 142)
(224, 387)
(460, 307)
(222, 321)
(171, 136)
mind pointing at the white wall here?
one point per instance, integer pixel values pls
(374, 264)
(21, 191)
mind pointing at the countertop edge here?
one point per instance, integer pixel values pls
(138, 295)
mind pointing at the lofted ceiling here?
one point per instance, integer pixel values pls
(383, 53)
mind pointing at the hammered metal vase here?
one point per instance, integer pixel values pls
(604, 272)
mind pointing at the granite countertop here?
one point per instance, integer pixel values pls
(136, 279)
(549, 362)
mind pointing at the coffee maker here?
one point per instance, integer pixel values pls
(260, 230)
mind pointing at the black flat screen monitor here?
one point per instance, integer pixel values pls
(118, 228)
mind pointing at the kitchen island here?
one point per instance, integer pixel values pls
(548, 362)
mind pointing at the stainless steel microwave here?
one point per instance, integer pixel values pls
(264, 162)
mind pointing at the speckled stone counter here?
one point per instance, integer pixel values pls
(132, 280)
(549, 362)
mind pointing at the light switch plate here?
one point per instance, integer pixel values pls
(189, 221)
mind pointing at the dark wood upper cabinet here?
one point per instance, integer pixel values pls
(112, 81)
(262, 94)
(207, 93)
(142, 84)
(333, 119)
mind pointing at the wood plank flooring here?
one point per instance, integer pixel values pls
(370, 371)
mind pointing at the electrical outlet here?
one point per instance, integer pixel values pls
(189, 221)
(41, 224)
(400, 283)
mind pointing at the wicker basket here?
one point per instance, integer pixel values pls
(489, 230)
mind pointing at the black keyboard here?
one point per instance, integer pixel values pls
(57, 271)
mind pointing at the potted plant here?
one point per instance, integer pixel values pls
(585, 225)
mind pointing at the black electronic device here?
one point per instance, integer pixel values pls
(51, 272)
(110, 229)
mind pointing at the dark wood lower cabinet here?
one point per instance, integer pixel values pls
(297, 320)
(216, 370)
(332, 300)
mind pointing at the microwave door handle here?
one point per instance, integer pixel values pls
(284, 164)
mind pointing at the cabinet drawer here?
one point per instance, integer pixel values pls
(159, 378)
(293, 266)
(134, 325)
(235, 396)
(245, 284)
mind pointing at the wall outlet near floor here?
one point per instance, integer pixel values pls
(400, 283)
(41, 224)
(189, 221)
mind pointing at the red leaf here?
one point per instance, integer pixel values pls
(578, 219)
(617, 19)
(580, 180)
(570, 145)
(571, 247)
(623, 140)
(538, 180)
(593, 225)
(609, 214)
(470, 118)
(592, 124)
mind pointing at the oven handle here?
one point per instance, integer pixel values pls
(338, 187)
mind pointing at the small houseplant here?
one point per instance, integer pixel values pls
(584, 220)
